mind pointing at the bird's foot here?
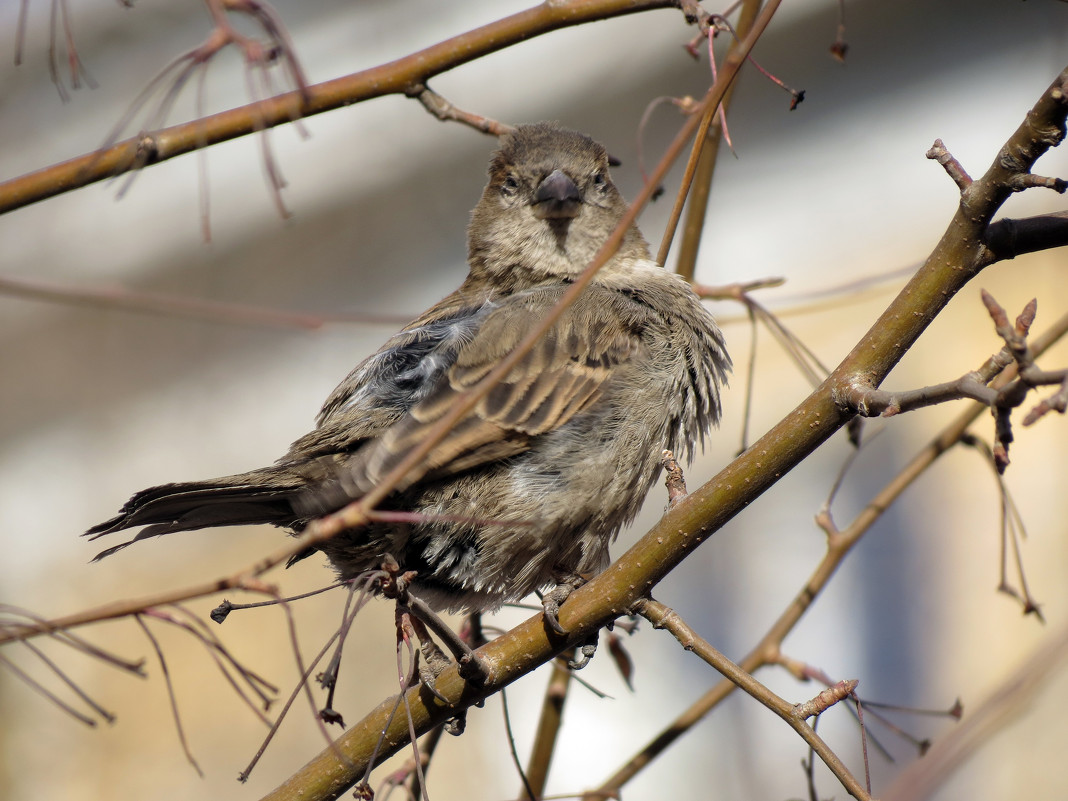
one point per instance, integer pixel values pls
(429, 661)
(471, 666)
(554, 599)
(433, 663)
(398, 585)
(585, 653)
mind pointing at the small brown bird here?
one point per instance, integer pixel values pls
(528, 489)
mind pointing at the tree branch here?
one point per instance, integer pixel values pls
(1008, 238)
(839, 544)
(795, 715)
(405, 76)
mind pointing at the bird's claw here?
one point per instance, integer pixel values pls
(585, 653)
(551, 603)
(457, 723)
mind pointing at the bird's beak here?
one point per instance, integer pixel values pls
(557, 198)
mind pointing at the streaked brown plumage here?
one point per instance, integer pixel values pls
(527, 490)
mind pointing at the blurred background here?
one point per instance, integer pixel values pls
(835, 196)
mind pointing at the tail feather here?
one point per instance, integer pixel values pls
(246, 499)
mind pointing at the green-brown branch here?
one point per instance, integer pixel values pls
(405, 76)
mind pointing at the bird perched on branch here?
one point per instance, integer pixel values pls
(526, 491)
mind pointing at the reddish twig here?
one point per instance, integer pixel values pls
(840, 47)
(876, 402)
(165, 304)
(794, 715)
(170, 691)
(402, 76)
(953, 168)
(446, 111)
(59, 17)
(838, 691)
(674, 480)
(39, 688)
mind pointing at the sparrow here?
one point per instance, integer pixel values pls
(527, 490)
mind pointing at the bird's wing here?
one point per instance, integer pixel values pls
(558, 378)
(385, 386)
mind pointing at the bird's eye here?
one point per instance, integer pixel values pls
(509, 186)
(599, 179)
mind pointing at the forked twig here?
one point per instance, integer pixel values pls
(794, 715)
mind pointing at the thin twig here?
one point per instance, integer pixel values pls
(165, 304)
(39, 688)
(170, 693)
(794, 715)
(1011, 698)
(530, 794)
(840, 544)
(446, 111)
(396, 77)
(73, 685)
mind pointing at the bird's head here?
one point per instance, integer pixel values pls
(548, 207)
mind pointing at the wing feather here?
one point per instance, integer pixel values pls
(559, 378)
